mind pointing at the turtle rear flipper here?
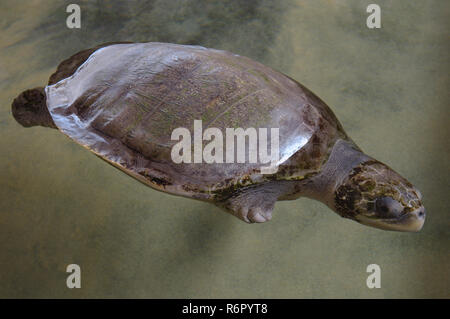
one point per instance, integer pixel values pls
(68, 67)
(30, 109)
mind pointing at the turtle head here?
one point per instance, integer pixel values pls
(375, 195)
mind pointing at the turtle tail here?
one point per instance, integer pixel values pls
(30, 109)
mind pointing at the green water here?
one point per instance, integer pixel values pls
(60, 205)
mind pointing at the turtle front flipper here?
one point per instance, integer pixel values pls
(253, 205)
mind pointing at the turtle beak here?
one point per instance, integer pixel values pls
(414, 220)
(410, 222)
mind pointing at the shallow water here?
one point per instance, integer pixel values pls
(60, 205)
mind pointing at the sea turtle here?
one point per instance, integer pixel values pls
(123, 102)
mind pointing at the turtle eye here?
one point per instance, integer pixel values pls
(388, 207)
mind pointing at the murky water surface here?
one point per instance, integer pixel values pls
(59, 204)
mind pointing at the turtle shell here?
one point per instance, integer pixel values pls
(125, 100)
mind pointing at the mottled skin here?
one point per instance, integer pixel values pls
(123, 101)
